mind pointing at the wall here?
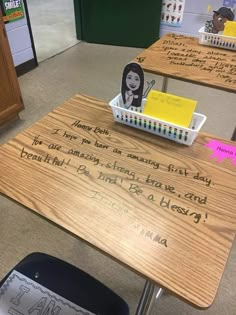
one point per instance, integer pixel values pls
(19, 41)
(195, 15)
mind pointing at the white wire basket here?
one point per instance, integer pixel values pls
(135, 118)
(216, 40)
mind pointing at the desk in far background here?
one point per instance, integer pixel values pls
(165, 210)
(183, 58)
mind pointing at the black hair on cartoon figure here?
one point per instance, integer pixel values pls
(132, 85)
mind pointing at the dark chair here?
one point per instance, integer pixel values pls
(71, 283)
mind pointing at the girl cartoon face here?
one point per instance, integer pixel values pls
(133, 80)
(132, 85)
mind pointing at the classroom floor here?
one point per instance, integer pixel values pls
(53, 26)
(96, 70)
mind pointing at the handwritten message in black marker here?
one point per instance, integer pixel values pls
(184, 57)
(84, 156)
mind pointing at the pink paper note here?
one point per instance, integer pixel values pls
(222, 151)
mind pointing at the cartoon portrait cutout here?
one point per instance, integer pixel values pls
(132, 85)
(217, 24)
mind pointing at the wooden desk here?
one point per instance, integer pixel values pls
(183, 58)
(163, 209)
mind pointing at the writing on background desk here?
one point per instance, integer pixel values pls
(193, 60)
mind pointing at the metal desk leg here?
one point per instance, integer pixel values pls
(150, 294)
(164, 84)
(233, 138)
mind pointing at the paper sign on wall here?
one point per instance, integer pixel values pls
(13, 10)
(171, 108)
(172, 12)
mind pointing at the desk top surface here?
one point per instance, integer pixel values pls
(164, 209)
(183, 58)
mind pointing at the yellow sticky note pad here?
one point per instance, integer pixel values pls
(171, 108)
(230, 28)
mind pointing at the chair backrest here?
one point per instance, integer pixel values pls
(71, 283)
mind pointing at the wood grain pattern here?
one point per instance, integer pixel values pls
(183, 58)
(164, 209)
